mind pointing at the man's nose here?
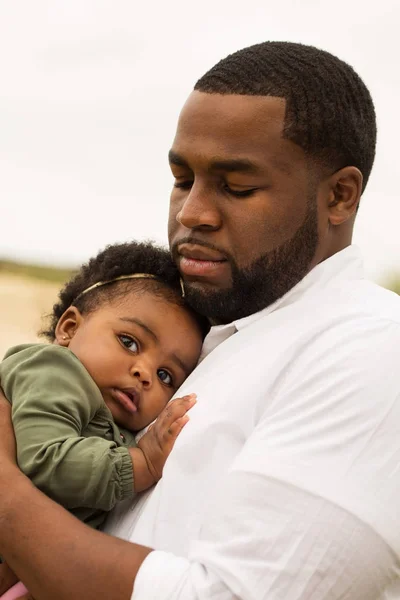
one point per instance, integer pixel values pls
(199, 210)
(142, 372)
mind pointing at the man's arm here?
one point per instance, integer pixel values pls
(288, 545)
(54, 554)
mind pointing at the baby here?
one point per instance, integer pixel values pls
(122, 342)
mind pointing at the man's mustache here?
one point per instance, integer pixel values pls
(198, 242)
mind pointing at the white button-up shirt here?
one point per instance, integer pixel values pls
(285, 484)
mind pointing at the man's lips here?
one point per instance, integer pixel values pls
(128, 398)
(199, 261)
(195, 252)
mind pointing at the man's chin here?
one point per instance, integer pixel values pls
(205, 286)
(211, 302)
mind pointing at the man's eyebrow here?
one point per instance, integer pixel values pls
(140, 323)
(229, 165)
(176, 159)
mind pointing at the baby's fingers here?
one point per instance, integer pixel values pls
(176, 409)
(176, 427)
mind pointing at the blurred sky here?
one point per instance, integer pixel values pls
(91, 91)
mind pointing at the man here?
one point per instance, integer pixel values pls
(285, 483)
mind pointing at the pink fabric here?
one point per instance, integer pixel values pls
(16, 591)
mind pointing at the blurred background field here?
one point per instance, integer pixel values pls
(90, 96)
(28, 292)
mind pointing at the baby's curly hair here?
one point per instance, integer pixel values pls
(115, 261)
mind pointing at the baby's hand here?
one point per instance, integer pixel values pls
(159, 440)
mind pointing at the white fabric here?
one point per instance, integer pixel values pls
(300, 550)
(289, 468)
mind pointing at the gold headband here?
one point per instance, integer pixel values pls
(100, 283)
(121, 278)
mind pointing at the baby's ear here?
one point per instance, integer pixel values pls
(67, 326)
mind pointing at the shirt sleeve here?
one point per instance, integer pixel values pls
(309, 508)
(288, 545)
(53, 400)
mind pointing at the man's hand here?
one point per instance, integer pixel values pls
(155, 446)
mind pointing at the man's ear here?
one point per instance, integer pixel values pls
(67, 326)
(344, 197)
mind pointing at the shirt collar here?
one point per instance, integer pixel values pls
(344, 265)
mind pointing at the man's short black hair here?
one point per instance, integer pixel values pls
(115, 261)
(329, 110)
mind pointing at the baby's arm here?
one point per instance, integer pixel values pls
(155, 446)
(53, 400)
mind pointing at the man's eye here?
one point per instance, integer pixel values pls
(164, 376)
(183, 185)
(129, 343)
(241, 193)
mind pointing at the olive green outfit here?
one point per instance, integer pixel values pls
(67, 441)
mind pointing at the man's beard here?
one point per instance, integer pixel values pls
(262, 283)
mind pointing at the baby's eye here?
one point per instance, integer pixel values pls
(164, 376)
(129, 343)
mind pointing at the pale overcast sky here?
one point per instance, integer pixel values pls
(91, 91)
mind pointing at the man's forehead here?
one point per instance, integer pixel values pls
(232, 109)
(233, 128)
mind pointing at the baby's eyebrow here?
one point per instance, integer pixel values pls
(181, 364)
(140, 323)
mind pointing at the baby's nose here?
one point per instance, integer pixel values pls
(142, 372)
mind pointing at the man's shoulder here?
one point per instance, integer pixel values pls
(346, 303)
(361, 312)
(342, 305)
(375, 301)
(340, 322)
(353, 329)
